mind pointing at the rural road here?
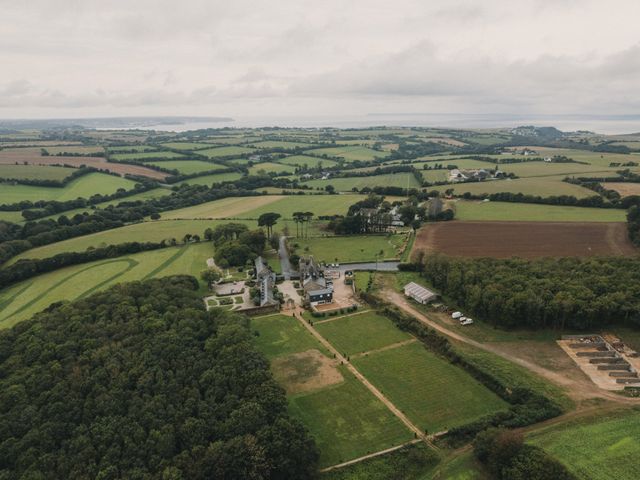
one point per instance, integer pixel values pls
(379, 266)
(575, 389)
(285, 264)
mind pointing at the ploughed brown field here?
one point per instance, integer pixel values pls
(524, 239)
(32, 156)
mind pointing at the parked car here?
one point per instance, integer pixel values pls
(467, 321)
(456, 315)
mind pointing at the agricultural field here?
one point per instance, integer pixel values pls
(524, 239)
(318, 205)
(432, 392)
(306, 161)
(599, 448)
(345, 419)
(33, 172)
(73, 149)
(187, 167)
(357, 248)
(146, 155)
(270, 167)
(544, 169)
(349, 153)
(218, 152)
(361, 332)
(625, 189)
(24, 299)
(600, 159)
(188, 146)
(529, 212)
(232, 207)
(85, 186)
(269, 144)
(214, 178)
(131, 148)
(347, 184)
(541, 186)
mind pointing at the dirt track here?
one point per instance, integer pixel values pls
(524, 239)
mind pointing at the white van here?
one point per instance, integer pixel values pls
(456, 315)
(467, 321)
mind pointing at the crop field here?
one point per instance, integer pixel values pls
(625, 189)
(355, 248)
(22, 300)
(225, 151)
(600, 449)
(232, 207)
(74, 149)
(142, 156)
(32, 156)
(432, 392)
(306, 161)
(131, 148)
(214, 178)
(84, 186)
(188, 167)
(186, 145)
(403, 180)
(529, 212)
(360, 332)
(270, 167)
(349, 153)
(345, 419)
(318, 205)
(524, 239)
(33, 172)
(541, 186)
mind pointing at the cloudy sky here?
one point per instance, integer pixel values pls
(72, 58)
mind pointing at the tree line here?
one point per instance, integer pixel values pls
(140, 381)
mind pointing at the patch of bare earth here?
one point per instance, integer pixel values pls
(32, 156)
(524, 239)
(305, 371)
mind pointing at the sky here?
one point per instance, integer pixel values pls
(87, 58)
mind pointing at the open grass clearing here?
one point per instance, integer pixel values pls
(361, 332)
(187, 167)
(347, 184)
(24, 299)
(34, 172)
(432, 392)
(530, 212)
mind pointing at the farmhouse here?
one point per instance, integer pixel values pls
(317, 288)
(419, 293)
(265, 280)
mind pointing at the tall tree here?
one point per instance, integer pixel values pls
(268, 220)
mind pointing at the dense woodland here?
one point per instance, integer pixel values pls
(141, 382)
(575, 293)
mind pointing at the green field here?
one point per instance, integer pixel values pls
(232, 207)
(600, 448)
(541, 169)
(361, 332)
(225, 151)
(144, 155)
(34, 172)
(131, 148)
(267, 144)
(349, 153)
(403, 180)
(73, 149)
(186, 145)
(13, 217)
(187, 167)
(356, 248)
(541, 186)
(306, 161)
(530, 212)
(432, 392)
(270, 167)
(280, 335)
(22, 300)
(215, 178)
(85, 187)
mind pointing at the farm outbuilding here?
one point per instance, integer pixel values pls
(419, 293)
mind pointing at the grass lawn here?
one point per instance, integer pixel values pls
(346, 184)
(304, 160)
(541, 186)
(22, 300)
(347, 421)
(433, 393)
(84, 187)
(357, 248)
(188, 167)
(598, 448)
(146, 155)
(225, 151)
(350, 153)
(270, 167)
(361, 332)
(362, 280)
(529, 212)
(34, 172)
(280, 335)
(215, 178)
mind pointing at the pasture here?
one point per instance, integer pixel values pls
(214, 178)
(34, 172)
(270, 167)
(432, 392)
(232, 207)
(307, 161)
(188, 146)
(541, 186)
(24, 299)
(85, 187)
(280, 335)
(356, 248)
(275, 144)
(360, 332)
(146, 155)
(598, 448)
(530, 212)
(318, 205)
(229, 151)
(544, 169)
(349, 153)
(524, 239)
(347, 184)
(187, 167)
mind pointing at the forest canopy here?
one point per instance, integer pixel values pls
(141, 382)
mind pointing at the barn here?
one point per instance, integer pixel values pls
(419, 293)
